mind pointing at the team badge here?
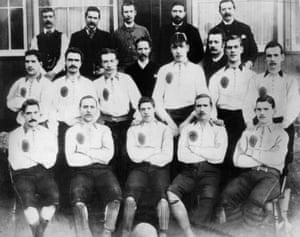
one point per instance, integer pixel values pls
(23, 92)
(64, 91)
(262, 91)
(105, 94)
(169, 77)
(80, 138)
(253, 140)
(193, 136)
(25, 146)
(224, 82)
(141, 138)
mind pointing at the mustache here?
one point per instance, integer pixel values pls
(48, 23)
(32, 120)
(72, 66)
(227, 14)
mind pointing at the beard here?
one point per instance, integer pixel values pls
(177, 20)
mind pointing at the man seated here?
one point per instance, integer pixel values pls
(260, 153)
(31, 153)
(89, 148)
(150, 148)
(202, 145)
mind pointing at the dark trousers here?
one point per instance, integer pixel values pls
(234, 124)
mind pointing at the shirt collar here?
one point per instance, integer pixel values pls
(76, 77)
(280, 73)
(177, 25)
(116, 75)
(182, 63)
(270, 127)
(132, 25)
(83, 124)
(227, 23)
(241, 66)
(143, 64)
(45, 30)
(38, 78)
(27, 129)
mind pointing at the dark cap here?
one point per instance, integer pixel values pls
(178, 38)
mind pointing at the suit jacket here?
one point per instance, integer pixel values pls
(90, 48)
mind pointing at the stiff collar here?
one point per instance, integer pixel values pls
(45, 30)
(38, 78)
(241, 66)
(228, 23)
(280, 73)
(127, 26)
(143, 64)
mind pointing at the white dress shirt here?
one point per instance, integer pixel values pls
(262, 145)
(40, 89)
(197, 143)
(88, 144)
(285, 91)
(228, 87)
(28, 148)
(67, 94)
(150, 142)
(117, 94)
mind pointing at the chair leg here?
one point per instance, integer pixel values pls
(284, 206)
(275, 204)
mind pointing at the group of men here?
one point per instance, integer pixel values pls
(143, 136)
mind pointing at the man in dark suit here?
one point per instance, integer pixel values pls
(90, 41)
(143, 71)
(178, 24)
(233, 27)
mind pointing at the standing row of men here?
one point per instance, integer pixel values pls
(52, 44)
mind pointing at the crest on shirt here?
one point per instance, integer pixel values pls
(262, 91)
(25, 145)
(105, 94)
(80, 138)
(224, 82)
(193, 136)
(23, 92)
(253, 140)
(169, 77)
(141, 138)
(64, 91)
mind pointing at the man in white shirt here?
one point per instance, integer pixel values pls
(282, 87)
(33, 86)
(68, 90)
(202, 145)
(89, 148)
(260, 153)
(228, 88)
(150, 148)
(118, 97)
(31, 153)
(52, 44)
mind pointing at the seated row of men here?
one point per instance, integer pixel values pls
(202, 145)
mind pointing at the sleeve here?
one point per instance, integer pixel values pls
(241, 157)
(46, 100)
(216, 154)
(33, 44)
(249, 102)
(13, 149)
(75, 155)
(293, 103)
(137, 153)
(166, 154)
(185, 154)
(61, 61)
(276, 154)
(49, 151)
(14, 100)
(133, 92)
(214, 90)
(105, 153)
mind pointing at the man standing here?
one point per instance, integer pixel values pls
(282, 87)
(68, 90)
(90, 41)
(233, 27)
(202, 145)
(228, 88)
(150, 148)
(31, 153)
(178, 24)
(33, 86)
(89, 148)
(118, 98)
(214, 58)
(52, 45)
(178, 83)
(260, 153)
(143, 71)
(126, 36)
